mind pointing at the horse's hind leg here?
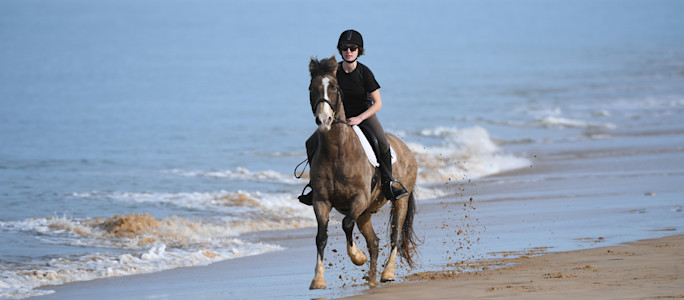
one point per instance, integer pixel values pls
(322, 211)
(399, 209)
(366, 228)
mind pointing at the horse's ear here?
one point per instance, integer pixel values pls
(313, 65)
(332, 59)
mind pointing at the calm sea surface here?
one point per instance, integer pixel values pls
(188, 119)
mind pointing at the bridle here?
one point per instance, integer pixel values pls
(322, 100)
(313, 109)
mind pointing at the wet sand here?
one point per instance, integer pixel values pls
(648, 269)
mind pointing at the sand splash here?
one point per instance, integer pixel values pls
(130, 226)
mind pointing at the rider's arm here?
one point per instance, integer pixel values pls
(377, 105)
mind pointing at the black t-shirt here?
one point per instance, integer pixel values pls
(356, 88)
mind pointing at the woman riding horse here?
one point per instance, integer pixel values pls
(361, 98)
(341, 177)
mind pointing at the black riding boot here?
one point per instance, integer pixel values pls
(391, 192)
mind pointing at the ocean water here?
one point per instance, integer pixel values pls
(140, 136)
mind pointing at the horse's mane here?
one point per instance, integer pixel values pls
(323, 66)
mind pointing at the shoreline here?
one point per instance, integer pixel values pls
(522, 210)
(646, 269)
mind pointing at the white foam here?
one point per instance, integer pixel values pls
(22, 282)
(559, 122)
(649, 102)
(465, 153)
(269, 176)
(144, 230)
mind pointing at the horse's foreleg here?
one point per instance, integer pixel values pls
(356, 255)
(397, 219)
(372, 241)
(322, 213)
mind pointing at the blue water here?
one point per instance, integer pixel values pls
(161, 107)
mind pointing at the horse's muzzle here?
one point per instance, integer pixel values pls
(325, 114)
(324, 121)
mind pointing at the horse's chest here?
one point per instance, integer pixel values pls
(338, 179)
(341, 186)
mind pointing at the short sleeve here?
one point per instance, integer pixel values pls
(369, 81)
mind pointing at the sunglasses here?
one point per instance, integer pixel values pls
(352, 48)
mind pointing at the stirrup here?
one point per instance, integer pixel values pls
(306, 198)
(401, 192)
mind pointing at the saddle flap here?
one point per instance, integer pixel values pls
(370, 153)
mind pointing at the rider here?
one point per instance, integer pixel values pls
(361, 103)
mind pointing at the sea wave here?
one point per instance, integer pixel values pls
(240, 174)
(134, 231)
(467, 153)
(148, 245)
(463, 153)
(560, 122)
(246, 211)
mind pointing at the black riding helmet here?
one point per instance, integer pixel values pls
(350, 37)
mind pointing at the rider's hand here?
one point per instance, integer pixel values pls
(354, 120)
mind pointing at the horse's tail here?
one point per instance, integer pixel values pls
(409, 241)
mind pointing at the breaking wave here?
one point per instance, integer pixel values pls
(560, 122)
(240, 174)
(244, 211)
(467, 153)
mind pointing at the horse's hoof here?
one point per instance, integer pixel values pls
(387, 276)
(317, 284)
(372, 284)
(357, 256)
(359, 261)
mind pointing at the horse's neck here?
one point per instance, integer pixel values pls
(339, 141)
(335, 142)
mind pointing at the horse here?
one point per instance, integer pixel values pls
(341, 175)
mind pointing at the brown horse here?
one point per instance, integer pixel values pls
(341, 179)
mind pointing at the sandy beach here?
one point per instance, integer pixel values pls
(648, 269)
